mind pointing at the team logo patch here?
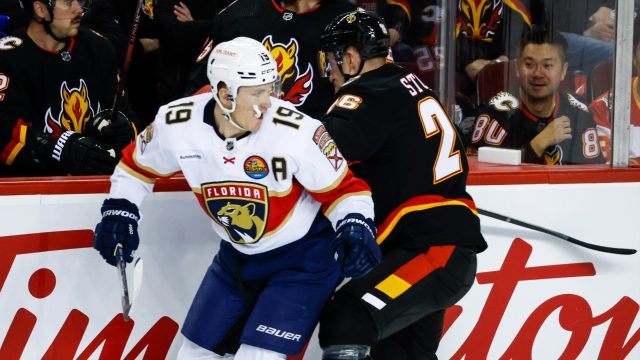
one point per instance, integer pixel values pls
(255, 167)
(10, 42)
(240, 208)
(75, 110)
(504, 101)
(553, 156)
(296, 86)
(145, 137)
(480, 19)
(328, 147)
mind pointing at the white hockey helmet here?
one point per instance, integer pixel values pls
(241, 62)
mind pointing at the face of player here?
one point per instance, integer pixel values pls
(540, 70)
(248, 100)
(66, 18)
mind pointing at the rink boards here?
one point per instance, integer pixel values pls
(535, 296)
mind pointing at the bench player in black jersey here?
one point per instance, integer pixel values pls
(393, 130)
(57, 85)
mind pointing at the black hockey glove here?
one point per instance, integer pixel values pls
(115, 130)
(355, 246)
(119, 225)
(82, 155)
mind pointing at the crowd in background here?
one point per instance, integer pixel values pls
(172, 33)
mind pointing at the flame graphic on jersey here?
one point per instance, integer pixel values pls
(296, 87)
(553, 156)
(75, 111)
(479, 19)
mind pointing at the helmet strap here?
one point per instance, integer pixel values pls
(46, 24)
(227, 112)
(348, 77)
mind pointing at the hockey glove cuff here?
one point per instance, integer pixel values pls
(355, 246)
(82, 155)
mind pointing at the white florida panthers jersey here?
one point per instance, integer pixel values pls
(263, 189)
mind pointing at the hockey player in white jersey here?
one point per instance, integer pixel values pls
(275, 186)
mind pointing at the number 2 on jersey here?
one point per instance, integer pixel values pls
(435, 120)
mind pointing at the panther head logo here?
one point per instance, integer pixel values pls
(241, 221)
(240, 208)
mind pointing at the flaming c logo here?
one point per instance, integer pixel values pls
(295, 86)
(75, 110)
(479, 19)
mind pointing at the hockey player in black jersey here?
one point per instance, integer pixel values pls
(57, 85)
(399, 139)
(291, 31)
(550, 126)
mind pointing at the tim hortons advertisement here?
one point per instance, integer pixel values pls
(535, 297)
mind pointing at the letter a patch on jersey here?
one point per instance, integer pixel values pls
(241, 208)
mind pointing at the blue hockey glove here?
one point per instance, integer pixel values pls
(119, 225)
(355, 246)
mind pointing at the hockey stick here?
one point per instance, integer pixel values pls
(137, 281)
(127, 58)
(606, 249)
(122, 273)
(128, 302)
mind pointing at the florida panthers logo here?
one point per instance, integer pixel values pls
(479, 19)
(75, 110)
(295, 86)
(240, 208)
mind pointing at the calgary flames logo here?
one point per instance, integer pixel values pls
(553, 156)
(296, 87)
(479, 19)
(75, 110)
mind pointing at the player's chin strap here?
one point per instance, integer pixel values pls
(227, 115)
(348, 77)
(47, 25)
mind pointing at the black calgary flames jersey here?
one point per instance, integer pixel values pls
(293, 39)
(51, 91)
(486, 29)
(506, 122)
(398, 138)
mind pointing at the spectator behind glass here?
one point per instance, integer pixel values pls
(589, 28)
(425, 215)
(59, 85)
(184, 26)
(488, 33)
(282, 208)
(291, 31)
(602, 107)
(550, 126)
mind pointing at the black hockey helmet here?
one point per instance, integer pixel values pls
(364, 30)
